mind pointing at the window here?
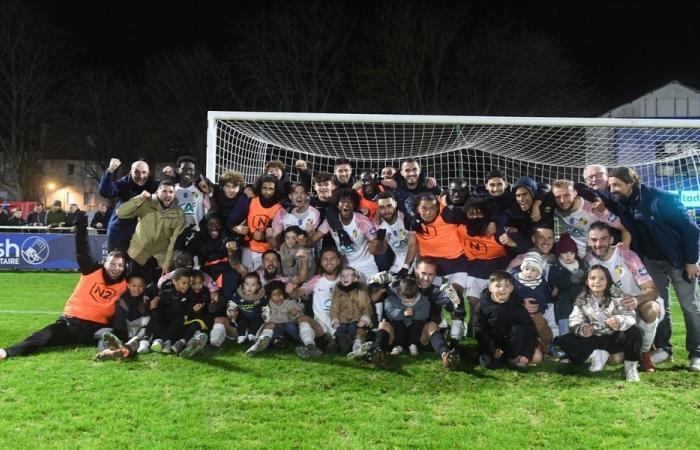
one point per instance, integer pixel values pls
(86, 199)
(71, 169)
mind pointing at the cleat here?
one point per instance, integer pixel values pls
(194, 346)
(361, 354)
(157, 346)
(396, 350)
(112, 341)
(413, 350)
(694, 365)
(260, 345)
(167, 347)
(144, 347)
(109, 354)
(647, 364)
(451, 359)
(631, 373)
(660, 355)
(598, 359)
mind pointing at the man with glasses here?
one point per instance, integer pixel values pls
(596, 177)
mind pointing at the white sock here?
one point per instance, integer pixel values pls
(266, 333)
(456, 329)
(379, 308)
(648, 333)
(217, 335)
(306, 333)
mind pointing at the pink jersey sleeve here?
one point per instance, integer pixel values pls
(324, 228)
(316, 216)
(278, 221)
(636, 267)
(309, 286)
(366, 227)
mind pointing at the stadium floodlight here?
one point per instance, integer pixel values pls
(665, 152)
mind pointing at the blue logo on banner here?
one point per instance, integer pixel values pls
(35, 250)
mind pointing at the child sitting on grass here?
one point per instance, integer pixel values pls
(406, 310)
(198, 318)
(129, 323)
(168, 318)
(601, 325)
(282, 321)
(245, 308)
(503, 328)
(531, 286)
(350, 311)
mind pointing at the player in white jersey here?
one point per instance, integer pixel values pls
(299, 213)
(401, 241)
(631, 277)
(577, 215)
(363, 242)
(192, 200)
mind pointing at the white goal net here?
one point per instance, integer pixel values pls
(665, 153)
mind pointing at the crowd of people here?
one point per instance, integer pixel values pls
(379, 263)
(55, 217)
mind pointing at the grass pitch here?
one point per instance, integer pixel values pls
(60, 398)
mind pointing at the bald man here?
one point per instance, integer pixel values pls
(119, 231)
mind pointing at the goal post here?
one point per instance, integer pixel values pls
(665, 152)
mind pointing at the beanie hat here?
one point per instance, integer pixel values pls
(532, 259)
(566, 244)
(57, 203)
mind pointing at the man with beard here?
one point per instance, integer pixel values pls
(577, 214)
(392, 228)
(410, 182)
(299, 213)
(89, 308)
(342, 174)
(270, 269)
(368, 193)
(496, 190)
(191, 198)
(119, 231)
(667, 238)
(320, 289)
(362, 233)
(263, 208)
(457, 193)
(631, 277)
(160, 222)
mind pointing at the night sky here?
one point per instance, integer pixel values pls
(623, 49)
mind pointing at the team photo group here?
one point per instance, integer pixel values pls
(373, 264)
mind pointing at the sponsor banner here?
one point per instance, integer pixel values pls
(45, 250)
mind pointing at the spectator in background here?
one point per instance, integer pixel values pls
(74, 214)
(37, 218)
(101, 218)
(56, 216)
(16, 219)
(120, 230)
(4, 217)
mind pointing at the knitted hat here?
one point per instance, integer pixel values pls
(532, 259)
(566, 244)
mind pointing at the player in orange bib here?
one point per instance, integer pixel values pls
(89, 308)
(262, 209)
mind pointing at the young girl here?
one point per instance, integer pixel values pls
(281, 318)
(245, 308)
(294, 241)
(566, 279)
(601, 325)
(504, 329)
(350, 311)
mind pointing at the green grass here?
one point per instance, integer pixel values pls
(61, 398)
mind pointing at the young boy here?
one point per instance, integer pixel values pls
(129, 323)
(503, 327)
(350, 310)
(168, 318)
(531, 286)
(407, 310)
(198, 318)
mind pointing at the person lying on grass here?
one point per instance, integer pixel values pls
(504, 329)
(89, 308)
(600, 324)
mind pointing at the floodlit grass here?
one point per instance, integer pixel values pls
(61, 398)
